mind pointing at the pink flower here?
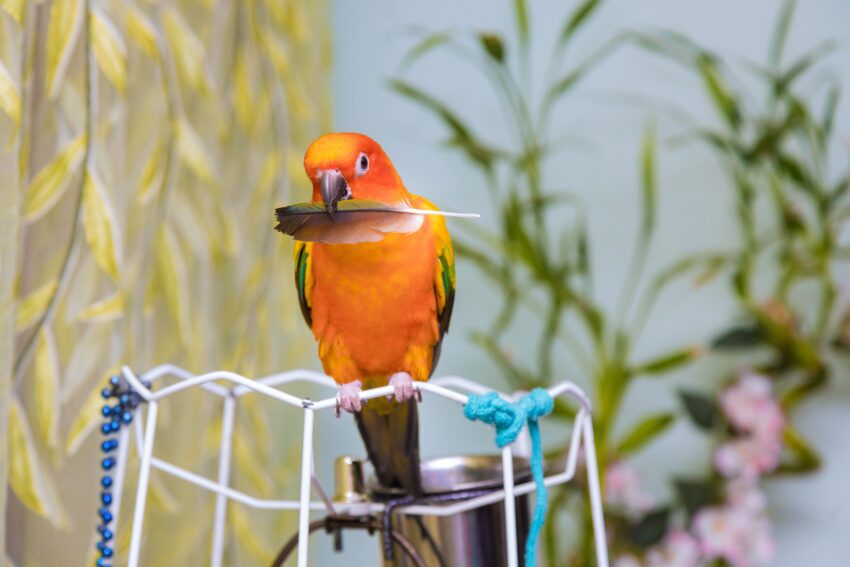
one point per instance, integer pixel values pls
(744, 494)
(627, 561)
(623, 490)
(738, 533)
(719, 532)
(750, 407)
(747, 457)
(679, 549)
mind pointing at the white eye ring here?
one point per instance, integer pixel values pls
(361, 166)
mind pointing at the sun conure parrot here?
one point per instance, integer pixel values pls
(376, 286)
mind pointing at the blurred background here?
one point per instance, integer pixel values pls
(663, 190)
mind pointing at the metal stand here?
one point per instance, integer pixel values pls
(238, 386)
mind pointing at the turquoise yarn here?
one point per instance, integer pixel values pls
(508, 419)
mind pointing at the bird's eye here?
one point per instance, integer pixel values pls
(362, 165)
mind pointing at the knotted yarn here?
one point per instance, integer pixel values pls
(509, 418)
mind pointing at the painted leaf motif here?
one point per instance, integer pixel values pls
(243, 97)
(141, 31)
(248, 537)
(192, 151)
(32, 307)
(172, 277)
(91, 354)
(99, 225)
(24, 474)
(88, 418)
(109, 49)
(66, 18)
(46, 386)
(51, 181)
(187, 49)
(150, 177)
(15, 9)
(10, 95)
(109, 308)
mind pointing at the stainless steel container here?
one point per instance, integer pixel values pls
(471, 539)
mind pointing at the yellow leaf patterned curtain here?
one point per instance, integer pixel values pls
(143, 148)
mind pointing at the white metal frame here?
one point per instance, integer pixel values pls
(238, 386)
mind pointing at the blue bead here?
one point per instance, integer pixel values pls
(109, 445)
(116, 409)
(106, 411)
(106, 393)
(105, 515)
(107, 535)
(106, 481)
(127, 417)
(101, 562)
(124, 399)
(106, 551)
(106, 498)
(100, 545)
(107, 463)
(114, 425)
(106, 428)
(115, 380)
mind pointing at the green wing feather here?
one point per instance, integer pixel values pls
(444, 284)
(301, 254)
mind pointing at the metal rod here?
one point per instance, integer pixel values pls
(241, 497)
(306, 478)
(142, 491)
(120, 474)
(510, 506)
(223, 480)
(595, 495)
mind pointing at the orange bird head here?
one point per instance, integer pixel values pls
(348, 165)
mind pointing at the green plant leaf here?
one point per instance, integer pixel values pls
(650, 528)
(462, 137)
(493, 46)
(645, 431)
(739, 337)
(576, 19)
(649, 182)
(800, 456)
(780, 32)
(522, 21)
(669, 361)
(697, 494)
(427, 44)
(701, 408)
(719, 91)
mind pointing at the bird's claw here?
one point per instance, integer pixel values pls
(348, 397)
(403, 389)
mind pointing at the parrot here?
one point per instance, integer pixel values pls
(377, 291)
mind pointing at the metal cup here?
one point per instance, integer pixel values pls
(473, 538)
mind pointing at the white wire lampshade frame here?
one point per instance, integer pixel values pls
(231, 387)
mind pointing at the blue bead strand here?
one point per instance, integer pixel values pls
(115, 415)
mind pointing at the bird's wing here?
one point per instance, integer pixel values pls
(444, 281)
(302, 254)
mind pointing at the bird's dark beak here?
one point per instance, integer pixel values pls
(334, 189)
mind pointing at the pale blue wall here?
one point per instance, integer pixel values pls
(812, 515)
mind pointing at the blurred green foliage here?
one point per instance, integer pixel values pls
(790, 207)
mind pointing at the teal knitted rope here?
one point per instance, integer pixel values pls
(508, 419)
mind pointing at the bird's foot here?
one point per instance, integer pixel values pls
(348, 397)
(403, 389)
